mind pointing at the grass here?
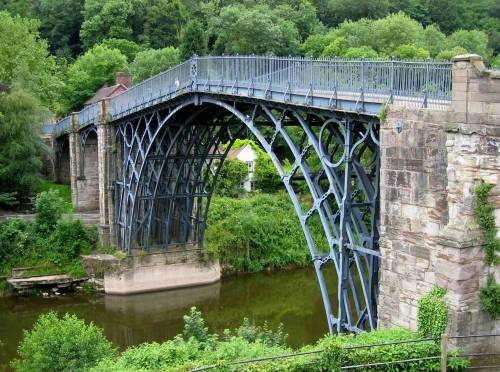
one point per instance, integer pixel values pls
(64, 192)
(73, 268)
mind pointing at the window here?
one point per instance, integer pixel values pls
(250, 166)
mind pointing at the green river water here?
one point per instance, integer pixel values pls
(290, 297)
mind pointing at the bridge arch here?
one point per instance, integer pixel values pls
(172, 157)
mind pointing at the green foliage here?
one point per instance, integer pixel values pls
(258, 30)
(258, 231)
(408, 51)
(64, 191)
(432, 313)
(97, 66)
(126, 47)
(250, 342)
(490, 298)
(448, 54)
(194, 326)
(193, 40)
(361, 52)
(69, 239)
(473, 41)
(62, 344)
(255, 333)
(24, 59)
(153, 61)
(390, 353)
(49, 208)
(51, 244)
(486, 220)
(231, 177)
(267, 178)
(21, 145)
(110, 19)
(163, 23)
(60, 25)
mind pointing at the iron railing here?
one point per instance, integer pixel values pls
(443, 356)
(88, 115)
(314, 82)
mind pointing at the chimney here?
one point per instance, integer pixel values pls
(124, 78)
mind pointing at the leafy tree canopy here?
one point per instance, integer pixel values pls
(97, 66)
(25, 60)
(22, 147)
(153, 61)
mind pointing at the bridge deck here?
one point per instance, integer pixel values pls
(362, 86)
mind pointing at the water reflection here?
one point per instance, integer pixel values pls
(290, 297)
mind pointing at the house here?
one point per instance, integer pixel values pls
(248, 156)
(123, 82)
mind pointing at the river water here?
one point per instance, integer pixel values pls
(290, 297)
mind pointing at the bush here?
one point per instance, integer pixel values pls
(62, 344)
(432, 313)
(258, 231)
(49, 207)
(194, 326)
(13, 240)
(254, 333)
(68, 240)
(231, 177)
(389, 353)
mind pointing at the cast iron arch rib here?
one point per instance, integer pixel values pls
(171, 157)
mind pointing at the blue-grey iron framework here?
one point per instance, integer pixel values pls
(170, 132)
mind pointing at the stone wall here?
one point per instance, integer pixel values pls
(428, 174)
(62, 161)
(87, 181)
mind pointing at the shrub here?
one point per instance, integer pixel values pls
(231, 176)
(13, 240)
(388, 353)
(62, 344)
(432, 313)
(486, 220)
(49, 208)
(258, 231)
(194, 326)
(69, 239)
(254, 333)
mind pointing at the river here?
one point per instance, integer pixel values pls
(290, 297)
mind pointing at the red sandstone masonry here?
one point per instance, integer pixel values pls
(429, 172)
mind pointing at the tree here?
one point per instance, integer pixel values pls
(361, 52)
(340, 10)
(163, 23)
(24, 59)
(62, 344)
(128, 48)
(153, 61)
(110, 19)
(267, 178)
(409, 51)
(97, 66)
(22, 147)
(474, 41)
(448, 54)
(258, 30)
(433, 40)
(231, 177)
(193, 40)
(60, 25)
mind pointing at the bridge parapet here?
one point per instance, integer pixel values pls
(338, 84)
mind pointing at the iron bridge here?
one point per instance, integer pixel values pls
(322, 113)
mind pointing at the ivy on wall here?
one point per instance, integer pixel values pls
(490, 295)
(432, 313)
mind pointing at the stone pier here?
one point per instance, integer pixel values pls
(428, 232)
(153, 272)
